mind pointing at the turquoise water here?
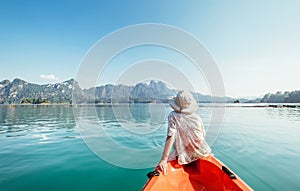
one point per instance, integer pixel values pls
(41, 148)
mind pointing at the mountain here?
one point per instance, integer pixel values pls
(279, 97)
(21, 92)
(140, 93)
(109, 93)
(143, 92)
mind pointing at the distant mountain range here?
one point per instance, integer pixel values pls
(21, 92)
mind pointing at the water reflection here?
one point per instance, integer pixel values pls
(140, 118)
(35, 121)
(291, 114)
(143, 124)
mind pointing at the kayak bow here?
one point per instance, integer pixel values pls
(204, 174)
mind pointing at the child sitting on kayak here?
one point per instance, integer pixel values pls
(185, 132)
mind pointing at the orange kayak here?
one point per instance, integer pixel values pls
(207, 174)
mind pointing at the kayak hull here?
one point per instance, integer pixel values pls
(204, 174)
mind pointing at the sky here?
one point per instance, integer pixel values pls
(255, 44)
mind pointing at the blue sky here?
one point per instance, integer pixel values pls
(254, 43)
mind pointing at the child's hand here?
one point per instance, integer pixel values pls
(162, 165)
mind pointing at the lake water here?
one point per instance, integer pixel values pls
(51, 148)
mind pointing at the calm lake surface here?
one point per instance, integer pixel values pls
(42, 148)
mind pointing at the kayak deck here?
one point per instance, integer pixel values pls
(204, 174)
